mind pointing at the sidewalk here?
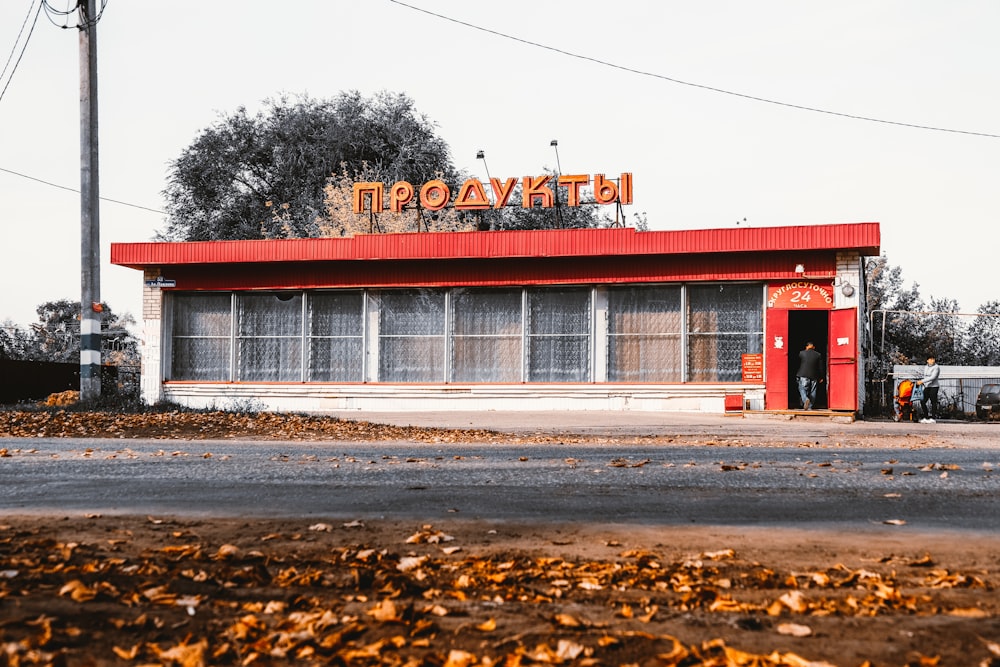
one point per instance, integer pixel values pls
(625, 424)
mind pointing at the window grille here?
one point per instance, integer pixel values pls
(467, 335)
(269, 337)
(724, 323)
(559, 335)
(411, 335)
(202, 333)
(486, 335)
(336, 336)
(644, 334)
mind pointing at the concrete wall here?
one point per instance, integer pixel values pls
(399, 398)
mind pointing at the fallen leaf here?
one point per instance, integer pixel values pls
(650, 613)
(567, 621)
(78, 591)
(385, 612)
(969, 612)
(457, 658)
(895, 522)
(407, 563)
(489, 625)
(127, 654)
(569, 650)
(992, 647)
(795, 601)
(185, 655)
(160, 594)
(436, 610)
(226, 551)
(794, 630)
(321, 528)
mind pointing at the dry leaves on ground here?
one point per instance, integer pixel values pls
(254, 595)
(222, 425)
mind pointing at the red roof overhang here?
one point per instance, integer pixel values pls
(863, 238)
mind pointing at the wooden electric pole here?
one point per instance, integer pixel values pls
(90, 241)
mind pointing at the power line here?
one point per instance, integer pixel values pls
(17, 40)
(51, 11)
(662, 77)
(63, 187)
(24, 47)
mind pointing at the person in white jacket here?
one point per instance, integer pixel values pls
(930, 384)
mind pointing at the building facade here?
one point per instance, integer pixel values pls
(604, 319)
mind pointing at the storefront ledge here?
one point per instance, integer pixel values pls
(802, 415)
(319, 398)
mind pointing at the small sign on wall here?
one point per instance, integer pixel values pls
(753, 367)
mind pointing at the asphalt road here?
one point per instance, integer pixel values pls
(935, 488)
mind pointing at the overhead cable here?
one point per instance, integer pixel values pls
(63, 187)
(24, 46)
(713, 89)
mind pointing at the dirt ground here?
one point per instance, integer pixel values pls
(138, 590)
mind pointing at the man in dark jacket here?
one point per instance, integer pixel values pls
(809, 375)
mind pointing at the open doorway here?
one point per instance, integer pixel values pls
(805, 326)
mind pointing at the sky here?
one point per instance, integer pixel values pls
(706, 103)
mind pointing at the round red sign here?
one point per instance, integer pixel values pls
(800, 295)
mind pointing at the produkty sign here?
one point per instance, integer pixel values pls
(535, 190)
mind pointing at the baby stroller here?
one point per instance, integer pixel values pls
(908, 396)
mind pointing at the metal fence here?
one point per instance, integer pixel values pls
(35, 352)
(960, 387)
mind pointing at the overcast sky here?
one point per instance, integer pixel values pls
(608, 80)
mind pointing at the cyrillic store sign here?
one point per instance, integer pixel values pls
(800, 295)
(535, 190)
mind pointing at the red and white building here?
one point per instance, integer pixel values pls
(578, 319)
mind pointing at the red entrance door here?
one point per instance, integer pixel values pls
(843, 354)
(776, 356)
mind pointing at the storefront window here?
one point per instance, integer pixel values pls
(202, 335)
(725, 321)
(486, 335)
(559, 334)
(644, 334)
(336, 336)
(478, 335)
(269, 337)
(411, 335)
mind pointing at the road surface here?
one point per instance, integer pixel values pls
(929, 488)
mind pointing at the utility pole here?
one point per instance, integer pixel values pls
(90, 241)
